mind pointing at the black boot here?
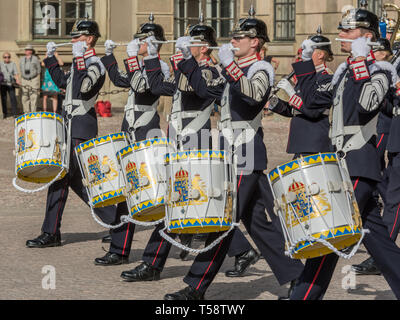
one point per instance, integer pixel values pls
(111, 259)
(186, 240)
(242, 262)
(45, 240)
(290, 291)
(185, 294)
(367, 267)
(106, 239)
(143, 272)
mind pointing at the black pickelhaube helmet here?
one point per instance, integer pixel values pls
(251, 27)
(85, 27)
(149, 29)
(319, 38)
(384, 45)
(360, 18)
(203, 32)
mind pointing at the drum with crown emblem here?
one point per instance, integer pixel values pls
(201, 192)
(315, 202)
(142, 165)
(40, 147)
(100, 170)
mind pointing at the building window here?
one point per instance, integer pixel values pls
(374, 6)
(218, 14)
(55, 19)
(285, 20)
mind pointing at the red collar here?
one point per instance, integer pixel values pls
(247, 61)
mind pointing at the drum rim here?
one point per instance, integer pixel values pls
(110, 195)
(35, 115)
(274, 174)
(138, 146)
(82, 147)
(168, 157)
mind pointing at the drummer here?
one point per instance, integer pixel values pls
(141, 120)
(84, 82)
(309, 127)
(188, 108)
(248, 83)
(359, 87)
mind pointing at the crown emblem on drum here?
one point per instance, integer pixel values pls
(181, 174)
(21, 132)
(296, 186)
(93, 159)
(130, 166)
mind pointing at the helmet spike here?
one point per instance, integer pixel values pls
(201, 17)
(252, 11)
(364, 4)
(151, 17)
(319, 30)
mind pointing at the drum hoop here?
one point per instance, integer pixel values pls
(194, 155)
(139, 146)
(37, 115)
(87, 145)
(286, 168)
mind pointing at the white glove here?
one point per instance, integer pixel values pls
(133, 48)
(285, 85)
(110, 46)
(182, 44)
(79, 49)
(360, 47)
(51, 49)
(308, 49)
(226, 55)
(152, 48)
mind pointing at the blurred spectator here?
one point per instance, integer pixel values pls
(273, 61)
(30, 74)
(10, 82)
(49, 88)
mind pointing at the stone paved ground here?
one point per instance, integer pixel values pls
(77, 277)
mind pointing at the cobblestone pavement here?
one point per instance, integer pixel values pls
(24, 272)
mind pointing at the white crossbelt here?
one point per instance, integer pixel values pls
(360, 135)
(149, 111)
(227, 126)
(200, 118)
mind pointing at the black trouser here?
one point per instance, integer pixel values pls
(391, 213)
(381, 147)
(11, 92)
(253, 194)
(318, 272)
(58, 193)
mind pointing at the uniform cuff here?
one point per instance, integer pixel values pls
(108, 60)
(152, 64)
(360, 70)
(132, 64)
(50, 62)
(234, 72)
(187, 66)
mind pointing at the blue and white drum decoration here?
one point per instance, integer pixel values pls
(142, 165)
(201, 192)
(100, 170)
(315, 202)
(40, 147)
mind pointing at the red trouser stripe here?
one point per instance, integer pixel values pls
(395, 220)
(315, 278)
(159, 247)
(380, 141)
(212, 261)
(126, 238)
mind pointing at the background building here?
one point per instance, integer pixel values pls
(289, 22)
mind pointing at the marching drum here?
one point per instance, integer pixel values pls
(201, 192)
(40, 148)
(315, 203)
(142, 165)
(100, 171)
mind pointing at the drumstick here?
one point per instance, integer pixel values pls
(63, 44)
(212, 48)
(373, 44)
